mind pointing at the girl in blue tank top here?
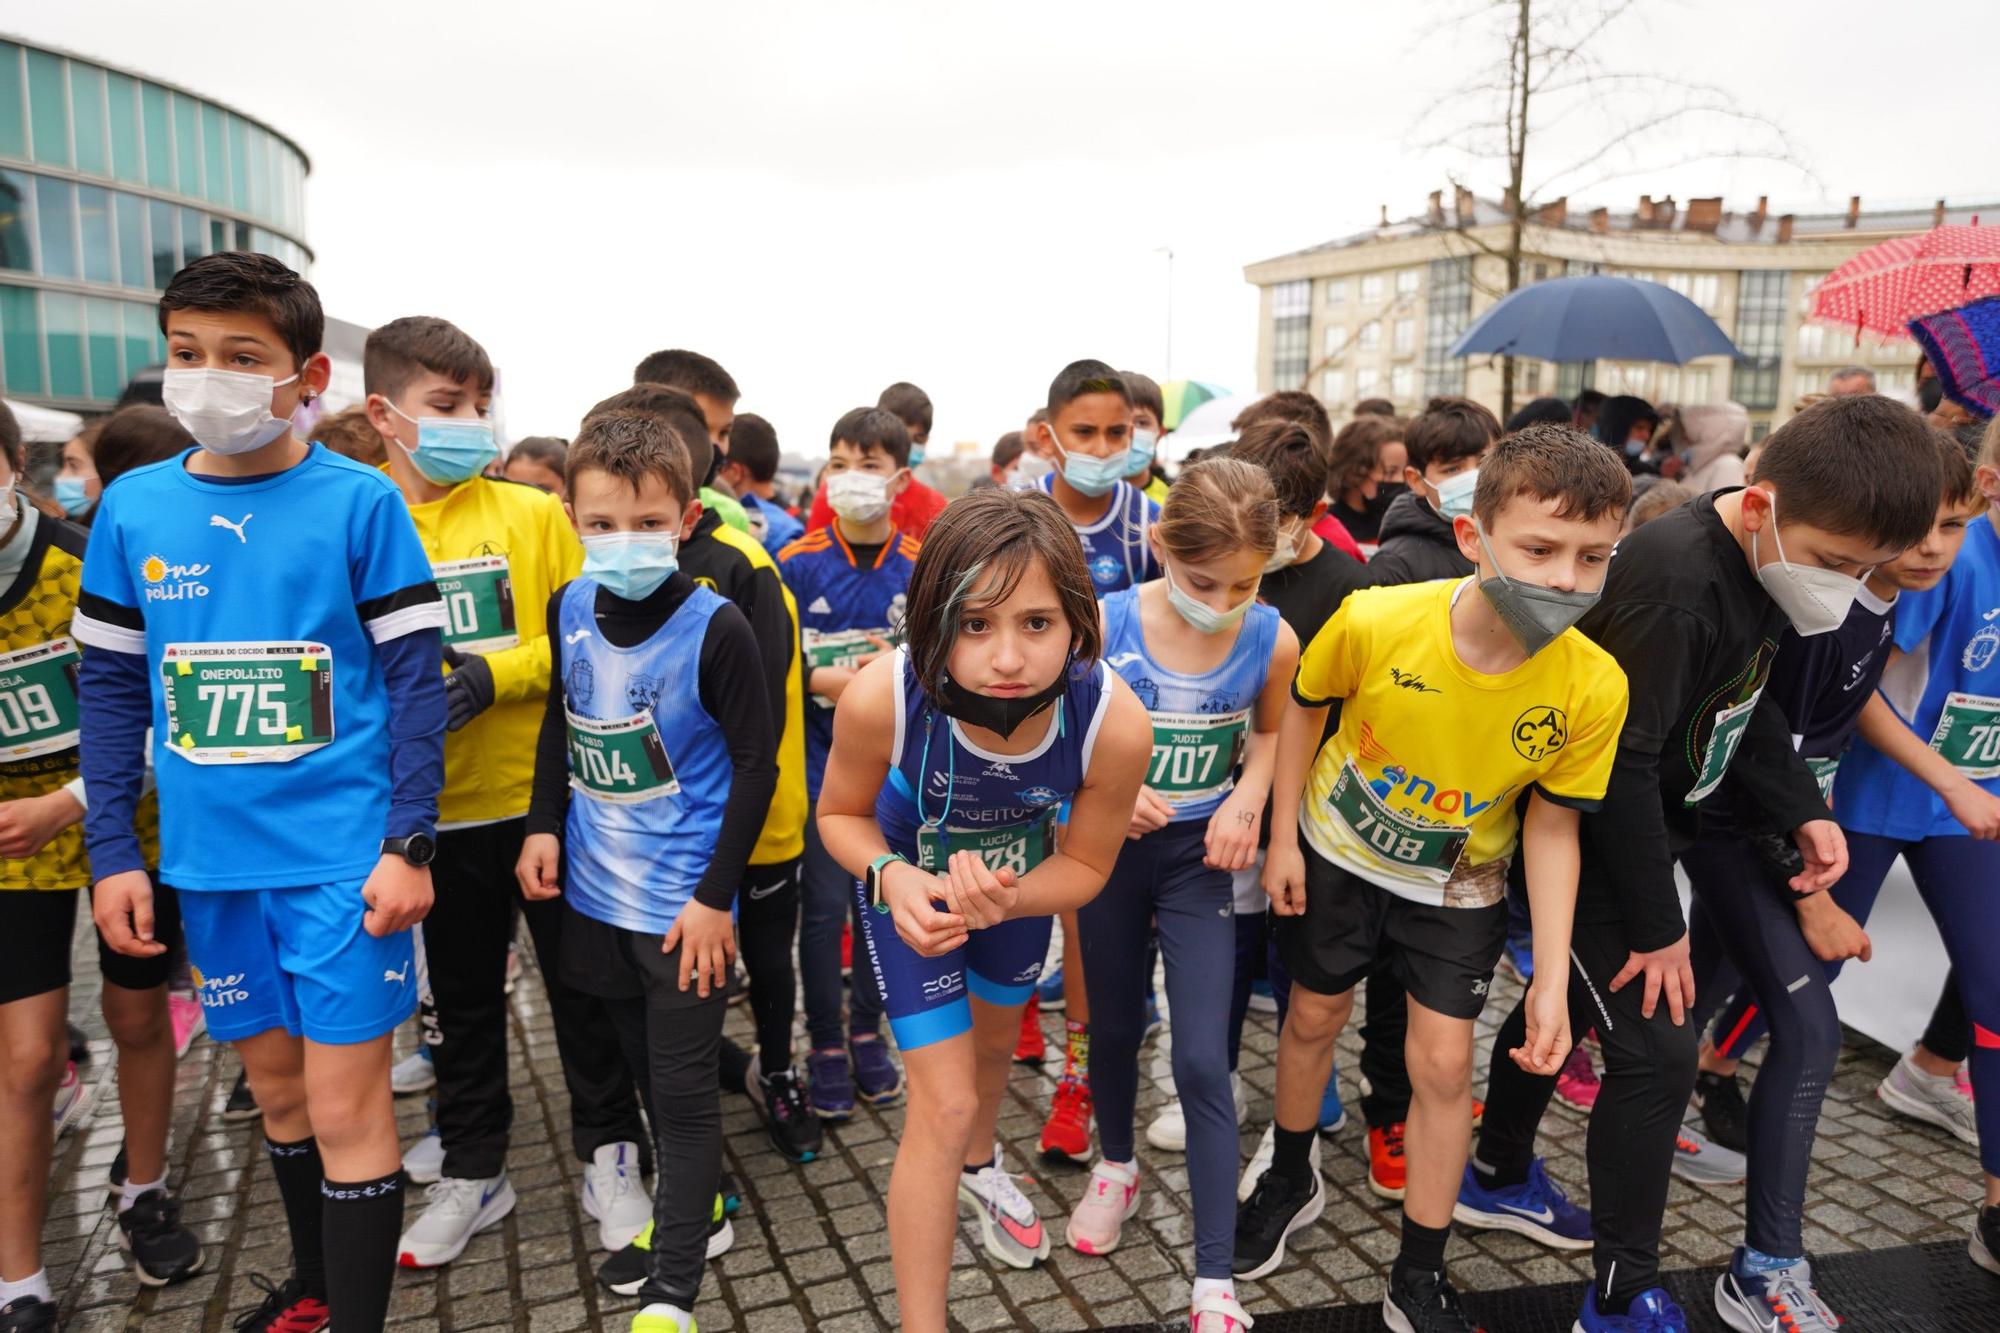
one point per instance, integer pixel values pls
(950, 760)
(1212, 666)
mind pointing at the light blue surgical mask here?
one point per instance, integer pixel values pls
(69, 493)
(1144, 444)
(916, 454)
(631, 565)
(1454, 494)
(449, 449)
(1199, 614)
(1094, 476)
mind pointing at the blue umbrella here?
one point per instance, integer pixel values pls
(1596, 318)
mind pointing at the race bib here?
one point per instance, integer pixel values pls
(1823, 771)
(38, 700)
(1429, 849)
(623, 762)
(478, 603)
(1015, 847)
(1968, 734)
(839, 648)
(247, 703)
(1195, 754)
(1727, 734)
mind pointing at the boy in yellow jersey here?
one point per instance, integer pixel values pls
(498, 550)
(1459, 697)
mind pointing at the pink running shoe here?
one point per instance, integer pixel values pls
(1216, 1313)
(185, 1013)
(1577, 1083)
(1111, 1196)
(1962, 1081)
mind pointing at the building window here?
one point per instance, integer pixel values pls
(1408, 280)
(1534, 379)
(1336, 340)
(1446, 316)
(13, 89)
(21, 339)
(1695, 385)
(1291, 331)
(1371, 289)
(1761, 311)
(1812, 341)
(1405, 341)
(1336, 291)
(1333, 387)
(1371, 336)
(1403, 384)
(55, 214)
(48, 108)
(1365, 380)
(15, 249)
(1706, 291)
(1541, 272)
(1573, 377)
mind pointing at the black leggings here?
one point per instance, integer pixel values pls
(767, 926)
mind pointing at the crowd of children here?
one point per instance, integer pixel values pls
(329, 709)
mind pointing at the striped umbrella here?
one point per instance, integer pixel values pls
(1184, 396)
(1886, 286)
(1964, 347)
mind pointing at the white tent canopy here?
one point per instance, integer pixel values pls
(44, 425)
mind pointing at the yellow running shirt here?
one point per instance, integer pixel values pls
(1416, 791)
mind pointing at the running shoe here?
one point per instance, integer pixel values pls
(72, 1101)
(1414, 1301)
(1168, 1129)
(242, 1103)
(458, 1211)
(831, 1081)
(660, 1317)
(788, 1117)
(1536, 1208)
(1985, 1245)
(1719, 1098)
(1008, 1224)
(162, 1249)
(1067, 1133)
(188, 1019)
(1218, 1313)
(1260, 1162)
(1262, 999)
(1332, 1115)
(1577, 1083)
(1519, 956)
(877, 1081)
(1031, 1047)
(28, 1314)
(114, 1175)
(625, 1272)
(614, 1194)
(1387, 1171)
(1932, 1098)
(1275, 1209)
(1651, 1311)
(424, 1162)
(1780, 1298)
(1700, 1162)
(1111, 1197)
(413, 1073)
(1049, 990)
(513, 973)
(286, 1308)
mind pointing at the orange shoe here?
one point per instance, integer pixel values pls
(1386, 1176)
(1067, 1133)
(1032, 1045)
(1478, 1112)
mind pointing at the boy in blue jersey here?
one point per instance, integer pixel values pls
(653, 773)
(266, 608)
(750, 470)
(850, 580)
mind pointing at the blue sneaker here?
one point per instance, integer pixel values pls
(1520, 954)
(1050, 988)
(1653, 1311)
(1775, 1297)
(876, 1077)
(1332, 1115)
(831, 1083)
(1536, 1208)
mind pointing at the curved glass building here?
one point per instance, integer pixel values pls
(109, 182)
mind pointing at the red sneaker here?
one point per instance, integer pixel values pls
(1032, 1045)
(1577, 1082)
(1067, 1134)
(1386, 1175)
(286, 1308)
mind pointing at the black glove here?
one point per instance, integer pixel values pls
(468, 690)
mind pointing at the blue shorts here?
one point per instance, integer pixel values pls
(925, 998)
(297, 959)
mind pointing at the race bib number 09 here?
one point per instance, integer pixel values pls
(247, 703)
(1195, 754)
(1397, 840)
(622, 762)
(38, 700)
(478, 603)
(1015, 847)
(1968, 734)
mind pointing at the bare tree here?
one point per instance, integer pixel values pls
(1546, 87)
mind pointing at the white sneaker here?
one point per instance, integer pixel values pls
(72, 1101)
(1168, 1131)
(424, 1162)
(413, 1073)
(661, 1318)
(615, 1196)
(1009, 1227)
(1934, 1099)
(1216, 1313)
(1260, 1162)
(458, 1211)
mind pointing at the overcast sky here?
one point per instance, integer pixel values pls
(827, 197)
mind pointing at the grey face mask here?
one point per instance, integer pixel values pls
(1535, 614)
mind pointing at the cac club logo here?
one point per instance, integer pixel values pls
(1041, 796)
(1981, 649)
(1104, 569)
(1540, 732)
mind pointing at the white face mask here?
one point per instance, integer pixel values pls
(1814, 599)
(1199, 614)
(227, 411)
(1028, 469)
(1454, 494)
(859, 497)
(1289, 541)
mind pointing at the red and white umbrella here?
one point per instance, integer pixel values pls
(1886, 286)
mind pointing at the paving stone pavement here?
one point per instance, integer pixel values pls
(811, 1246)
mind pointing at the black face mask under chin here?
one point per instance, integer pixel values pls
(1003, 716)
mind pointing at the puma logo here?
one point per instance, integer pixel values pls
(218, 521)
(573, 639)
(398, 977)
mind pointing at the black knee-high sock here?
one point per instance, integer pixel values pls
(299, 1172)
(363, 1222)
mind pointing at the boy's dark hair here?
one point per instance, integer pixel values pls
(10, 441)
(402, 349)
(1007, 448)
(874, 428)
(1145, 393)
(1589, 400)
(349, 434)
(137, 436)
(1357, 450)
(1297, 460)
(1448, 429)
(754, 444)
(678, 410)
(1554, 411)
(1957, 460)
(690, 372)
(1860, 465)
(1288, 405)
(631, 446)
(1374, 407)
(551, 451)
(1550, 462)
(911, 405)
(1081, 377)
(251, 284)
